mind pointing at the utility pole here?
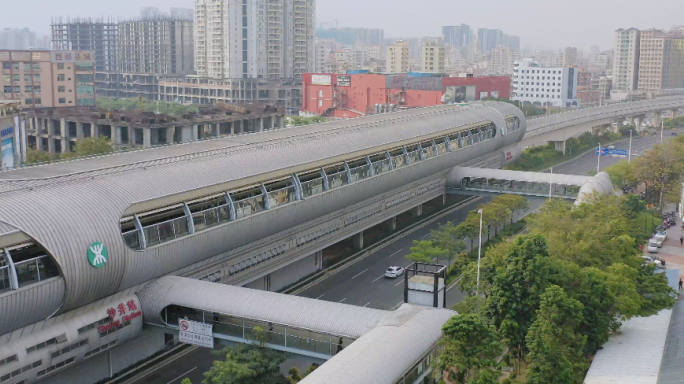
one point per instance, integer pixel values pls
(662, 127)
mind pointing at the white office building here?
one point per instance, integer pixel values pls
(271, 39)
(544, 86)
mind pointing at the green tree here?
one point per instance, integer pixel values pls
(186, 381)
(512, 202)
(247, 364)
(470, 228)
(448, 238)
(494, 257)
(89, 146)
(469, 346)
(425, 252)
(621, 174)
(515, 291)
(495, 214)
(661, 168)
(553, 340)
(34, 156)
(654, 290)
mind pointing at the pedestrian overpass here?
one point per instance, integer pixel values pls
(481, 181)
(354, 341)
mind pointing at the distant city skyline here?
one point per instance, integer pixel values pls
(582, 23)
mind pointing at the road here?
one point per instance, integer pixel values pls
(588, 162)
(363, 283)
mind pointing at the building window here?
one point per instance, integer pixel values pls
(60, 65)
(37, 101)
(60, 77)
(62, 100)
(61, 88)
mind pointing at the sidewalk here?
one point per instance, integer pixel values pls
(672, 251)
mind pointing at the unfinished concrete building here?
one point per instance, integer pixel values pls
(88, 34)
(57, 131)
(160, 45)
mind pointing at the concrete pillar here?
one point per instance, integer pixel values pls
(417, 211)
(238, 127)
(169, 134)
(116, 135)
(64, 133)
(147, 137)
(79, 131)
(272, 121)
(358, 241)
(215, 129)
(195, 131)
(231, 128)
(246, 126)
(657, 119)
(95, 130)
(281, 121)
(391, 224)
(444, 198)
(260, 124)
(630, 120)
(673, 113)
(51, 144)
(618, 125)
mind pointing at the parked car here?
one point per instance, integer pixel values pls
(661, 234)
(652, 259)
(394, 272)
(658, 241)
(652, 246)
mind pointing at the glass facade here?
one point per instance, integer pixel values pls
(172, 223)
(523, 187)
(275, 334)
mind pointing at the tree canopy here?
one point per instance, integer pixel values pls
(89, 146)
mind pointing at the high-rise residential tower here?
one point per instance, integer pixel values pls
(254, 39)
(397, 59)
(626, 59)
(661, 60)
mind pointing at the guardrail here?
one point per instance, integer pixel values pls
(544, 124)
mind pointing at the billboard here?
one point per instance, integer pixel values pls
(484, 95)
(321, 79)
(454, 94)
(72, 56)
(7, 146)
(344, 80)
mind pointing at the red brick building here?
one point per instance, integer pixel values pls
(355, 95)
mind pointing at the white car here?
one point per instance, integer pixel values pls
(652, 246)
(394, 272)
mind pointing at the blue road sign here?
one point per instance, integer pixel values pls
(604, 151)
(619, 152)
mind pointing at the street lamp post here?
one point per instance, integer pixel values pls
(479, 255)
(629, 154)
(662, 127)
(598, 161)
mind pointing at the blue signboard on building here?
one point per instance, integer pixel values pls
(7, 146)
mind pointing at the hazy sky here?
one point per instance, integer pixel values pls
(551, 23)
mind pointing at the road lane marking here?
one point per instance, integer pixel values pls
(357, 275)
(320, 296)
(401, 282)
(181, 375)
(425, 236)
(396, 252)
(381, 276)
(343, 299)
(454, 283)
(367, 304)
(397, 306)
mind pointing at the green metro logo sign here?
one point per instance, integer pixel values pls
(97, 255)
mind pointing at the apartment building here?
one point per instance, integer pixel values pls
(156, 45)
(570, 56)
(50, 79)
(86, 34)
(323, 49)
(626, 59)
(271, 39)
(433, 56)
(502, 60)
(374, 52)
(397, 58)
(545, 86)
(661, 60)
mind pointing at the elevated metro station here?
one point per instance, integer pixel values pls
(84, 241)
(93, 251)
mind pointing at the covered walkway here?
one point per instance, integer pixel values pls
(356, 340)
(528, 183)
